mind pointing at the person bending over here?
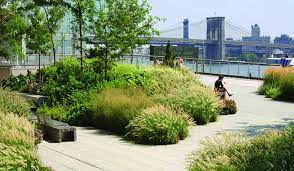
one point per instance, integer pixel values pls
(219, 86)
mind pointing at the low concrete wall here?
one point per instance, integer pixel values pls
(5, 72)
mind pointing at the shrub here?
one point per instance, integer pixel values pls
(112, 109)
(229, 107)
(65, 78)
(16, 83)
(159, 125)
(58, 112)
(273, 92)
(279, 83)
(166, 79)
(10, 102)
(271, 151)
(201, 103)
(17, 144)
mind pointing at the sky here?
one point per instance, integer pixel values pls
(275, 17)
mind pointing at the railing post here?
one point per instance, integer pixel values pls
(203, 66)
(210, 66)
(248, 68)
(196, 65)
(219, 70)
(228, 68)
(259, 75)
(239, 68)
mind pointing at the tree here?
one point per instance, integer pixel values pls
(54, 16)
(13, 26)
(249, 57)
(38, 35)
(169, 57)
(120, 26)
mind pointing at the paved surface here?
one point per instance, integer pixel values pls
(99, 150)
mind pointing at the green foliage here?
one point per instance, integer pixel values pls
(13, 26)
(199, 102)
(112, 109)
(169, 58)
(18, 150)
(57, 112)
(16, 83)
(38, 36)
(120, 26)
(65, 78)
(273, 92)
(10, 102)
(158, 126)
(229, 107)
(249, 58)
(278, 84)
(271, 151)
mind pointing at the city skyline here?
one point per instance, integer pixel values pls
(273, 17)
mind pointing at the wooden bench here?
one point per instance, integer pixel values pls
(56, 131)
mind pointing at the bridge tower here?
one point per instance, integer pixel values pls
(186, 29)
(216, 34)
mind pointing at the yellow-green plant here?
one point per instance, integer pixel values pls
(17, 144)
(159, 125)
(112, 109)
(10, 102)
(270, 151)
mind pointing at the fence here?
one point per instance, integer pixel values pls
(207, 66)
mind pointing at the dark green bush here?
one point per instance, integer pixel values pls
(112, 109)
(16, 83)
(271, 151)
(65, 78)
(229, 107)
(10, 102)
(159, 126)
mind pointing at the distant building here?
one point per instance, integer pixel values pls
(255, 36)
(255, 31)
(284, 39)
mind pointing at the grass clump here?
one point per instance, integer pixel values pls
(10, 102)
(200, 102)
(112, 109)
(17, 144)
(279, 84)
(229, 107)
(159, 125)
(271, 151)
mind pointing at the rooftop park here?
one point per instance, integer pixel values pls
(149, 105)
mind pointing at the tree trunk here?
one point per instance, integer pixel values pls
(81, 34)
(132, 56)
(40, 76)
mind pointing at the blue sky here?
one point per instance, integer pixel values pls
(274, 16)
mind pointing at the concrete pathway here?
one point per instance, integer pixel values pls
(99, 150)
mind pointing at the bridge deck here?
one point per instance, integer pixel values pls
(99, 150)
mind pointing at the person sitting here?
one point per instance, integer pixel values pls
(156, 62)
(219, 87)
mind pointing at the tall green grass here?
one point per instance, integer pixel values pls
(112, 109)
(200, 102)
(279, 84)
(271, 151)
(17, 144)
(159, 125)
(10, 102)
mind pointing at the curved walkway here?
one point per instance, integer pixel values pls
(99, 150)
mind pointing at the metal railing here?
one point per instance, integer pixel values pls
(207, 66)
